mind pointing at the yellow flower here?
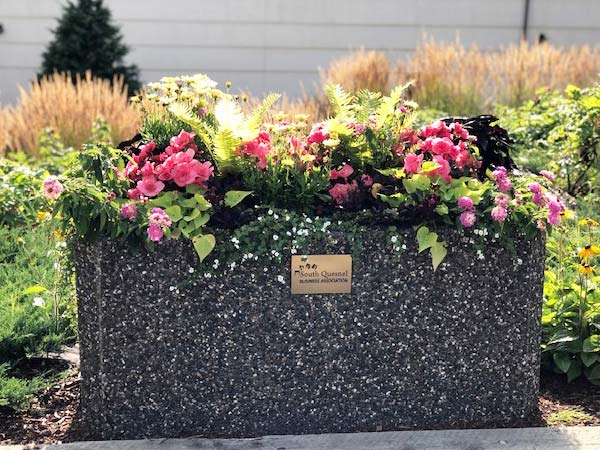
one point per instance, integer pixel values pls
(43, 215)
(588, 222)
(567, 214)
(588, 251)
(585, 269)
(58, 235)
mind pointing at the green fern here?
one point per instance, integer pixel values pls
(389, 103)
(183, 112)
(225, 144)
(255, 120)
(340, 100)
(367, 103)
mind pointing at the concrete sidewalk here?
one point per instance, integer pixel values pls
(571, 438)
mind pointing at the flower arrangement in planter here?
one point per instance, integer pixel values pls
(223, 346)
(201, 162)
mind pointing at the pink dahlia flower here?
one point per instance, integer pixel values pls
(502, 200)
(499, 214)
(159, 217)
(129, 211)
(468, 219)
(547, 174)
(465, 203)
(155, 232)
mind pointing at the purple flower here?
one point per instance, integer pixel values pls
(535, 188)
(502, 200)
(128, 211)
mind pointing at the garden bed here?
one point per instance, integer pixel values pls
(169, 350)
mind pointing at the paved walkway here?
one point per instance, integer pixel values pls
(571, 438)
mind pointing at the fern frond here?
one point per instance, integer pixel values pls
(183, 112)
(228, 113)
(225, 144)
(367, 103)
(256, 119)
(340, 100)
(388, 104)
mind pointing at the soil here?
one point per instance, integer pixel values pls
(53, 418)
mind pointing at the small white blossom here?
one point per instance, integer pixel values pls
(403, 246)
(281, 279)
(191, 270)
(294, 251)
(172, 288)
(207, 275)
(308, 220)
(394, 239)
(275, 237)
(275, 216)
(270, 212)
(38, 301)
(235, 240)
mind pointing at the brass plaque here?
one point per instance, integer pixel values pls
(321, 274)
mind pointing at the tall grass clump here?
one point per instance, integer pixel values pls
(467, 80)
(361, 69)
(68, 108)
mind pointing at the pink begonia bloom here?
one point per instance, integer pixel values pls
(547, 174)
(459, 130)
(344, 173)
(499, 213)
(134, 194)
(412, 162)
(502, 200)
(128, 211)
(318, 134)
(366, 180)
(160, 217)
(468, 219)
(52, 187)
(259, 148)
(409, 137)
(443, 146)
(465, 203)
(155, 232)
(535, 188)
(443, 171)
(145, 151)
(150, 186)
(436, 129)
(341, 192)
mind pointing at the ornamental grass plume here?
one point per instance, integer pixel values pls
(361, 69)
(68, 108)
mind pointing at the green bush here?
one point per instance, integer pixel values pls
(559, 132)
(37, 308)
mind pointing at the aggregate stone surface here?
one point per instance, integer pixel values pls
(168, 352)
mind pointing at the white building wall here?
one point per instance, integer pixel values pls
(264, 45)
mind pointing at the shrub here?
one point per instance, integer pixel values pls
(559, 132)
(87, 40)
(571, 312)
(20, 199)
(18, 393)
(224, 164)
(70, 109)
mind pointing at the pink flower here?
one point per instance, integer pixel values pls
(366, 180)
(443, 171)
(412, 162)
(499, 213)
(181, 141)
(145, 151)
(259, 148)
(547, 174)
(159, 217)
(554, 205)
(499, 172)
(465, 203)
(539, 199)
(52, 187)
(341, 192)
(134, 194)
(502, 200)
(504, 184)
(155, 232)
(344, 173)
(204, 171)
(150, 186)
(443, 146)
(534, 187)
(468, 218)
(318, 134)
(436, 129)
(553, 218)
(129, 211)
(459, 131)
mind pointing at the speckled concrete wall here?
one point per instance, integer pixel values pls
(168, 352)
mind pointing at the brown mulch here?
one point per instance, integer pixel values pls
(54, 419)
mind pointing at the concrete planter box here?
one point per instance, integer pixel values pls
(169, 353)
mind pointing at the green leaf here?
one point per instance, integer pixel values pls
(194, 214)
(588, 358)
(592, 344)
(425, 238)
(174, 212)
(233, 198)
(164, 200)
(562, 361)
(203, 204)
(574, 371)
(394, 200)
(34, 290)
(340, 100)
(438, 253)
(204, 245)
(441, 209)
